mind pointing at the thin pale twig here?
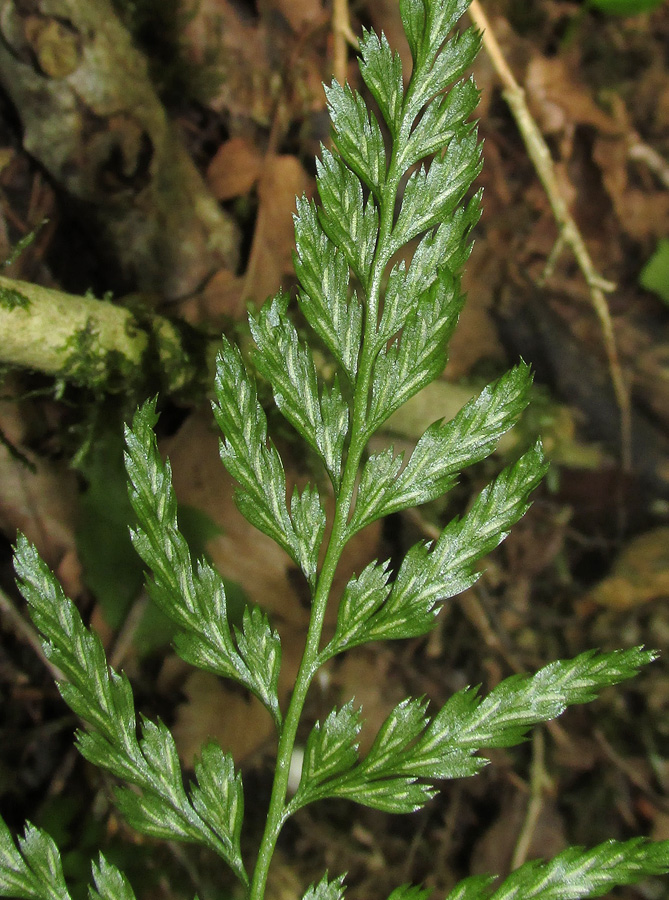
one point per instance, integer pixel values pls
(570, 235)
(539, 780)
(639, 151)
(342, 35)
(26, 632)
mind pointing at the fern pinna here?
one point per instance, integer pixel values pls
(386, 325)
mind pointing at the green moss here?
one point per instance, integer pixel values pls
(12, 299)
(87, 364)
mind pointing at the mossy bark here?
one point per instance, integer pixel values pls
(90, 342)
(92, 118)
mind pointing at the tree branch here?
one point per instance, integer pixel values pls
(93, 343)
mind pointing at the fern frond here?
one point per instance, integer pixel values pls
(101, 697)
(573, 874)
(194, 598)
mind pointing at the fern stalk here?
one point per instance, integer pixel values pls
(387, 328)
(343, 506)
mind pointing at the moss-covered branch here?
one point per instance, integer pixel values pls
(93, 343)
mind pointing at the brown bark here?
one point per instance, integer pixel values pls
(92, 118)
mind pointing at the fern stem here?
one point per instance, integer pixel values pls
(276, 815)
(277, 808)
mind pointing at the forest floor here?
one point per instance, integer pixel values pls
(588, 566)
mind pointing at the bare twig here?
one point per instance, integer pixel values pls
(570, 235)
(538, 782)
(342, 34)
(26, 632)
(642, 152)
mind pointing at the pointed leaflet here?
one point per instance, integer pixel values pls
(324, 274)
(195, 600)
(348, 221)
(447, 247)
(34, 871)
(467, 723)
(443, 451)
(441, 121)
(419, 354)
(288, 364)
(411, 746)
(104, 699)
(399, 730)
(429, 575)
(451, 63)
(362, 597)
(357, 135)
(256, 465)
(331, 749)
(573, 874)
(431, 196)
(110, 883)
(413, 20)
(426, 24)
(331, 755)
(326, 890)
(381, 70)
(410, 892)
(218, 795)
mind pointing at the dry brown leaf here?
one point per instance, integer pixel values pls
(494, 850)
(640, 573)
(40, 502)
(560, 102)
(299, 13)
(271, 257)
(641, 214)
(240, 45)
(235, 168)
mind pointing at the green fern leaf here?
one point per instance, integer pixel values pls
(104, 699)
(33, 871)
(357, 135)
(411, 746)
(326, 890)
(381, 70)
(346, 219)
(446, 247)
(430, 575)
(574, 874)
(331, 749)
(194, 599)
(467, 724)
(409, 892)
(449, 65)
(443, 451)
(432, 196)
(111, 884)
(362, 597)
(372, 610)
(287, 363)
(441, 121)
(257, 466)
(324, 275)
(419, 354)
